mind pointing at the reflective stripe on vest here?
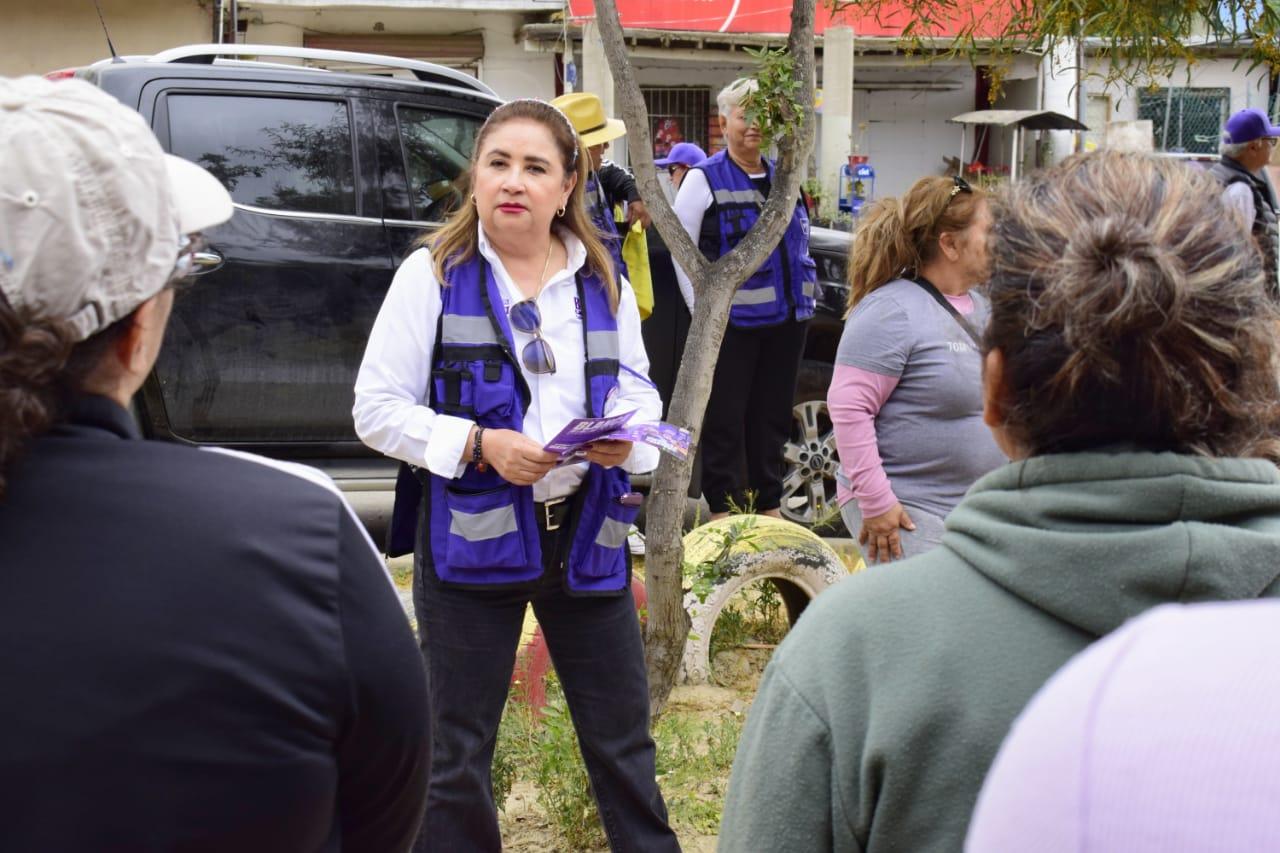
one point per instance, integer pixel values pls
(602, 345)
(785, 281)
(479, 526)
(463, 329)
(613, 533)
(758, 296)
(751, 196)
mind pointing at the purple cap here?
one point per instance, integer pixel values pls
(1248, 125)
(683, 153)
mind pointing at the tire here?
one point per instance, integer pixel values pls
(798, 562)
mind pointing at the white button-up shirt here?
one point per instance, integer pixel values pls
(393, 386)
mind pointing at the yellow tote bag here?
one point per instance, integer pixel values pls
(635, 253)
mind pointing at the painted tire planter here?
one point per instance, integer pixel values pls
(799, 563)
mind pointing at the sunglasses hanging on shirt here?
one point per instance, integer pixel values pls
(525, 316)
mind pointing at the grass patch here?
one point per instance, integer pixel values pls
(694, 756)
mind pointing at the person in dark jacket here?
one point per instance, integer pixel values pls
(1248, 141)
(202, 650)
(1129, 373)
(608, 184)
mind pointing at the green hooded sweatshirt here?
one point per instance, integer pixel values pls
(880, 713)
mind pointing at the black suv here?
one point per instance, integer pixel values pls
(335, 175)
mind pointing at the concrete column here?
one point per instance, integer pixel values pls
(834, 140)
(1063, 90)
(597, 78)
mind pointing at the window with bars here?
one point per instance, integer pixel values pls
(678, 114)
(1186, 120)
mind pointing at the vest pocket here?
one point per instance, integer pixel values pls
(600, 552)
(494, 389)
(451, 389)
(483, 530)
(808, 278)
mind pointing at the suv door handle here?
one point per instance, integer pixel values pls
(206, 261)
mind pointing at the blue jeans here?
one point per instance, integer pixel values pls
(470, 639)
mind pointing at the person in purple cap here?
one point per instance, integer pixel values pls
(1248, 141)
(682, 157)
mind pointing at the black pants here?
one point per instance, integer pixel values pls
(749, 415)
(469, 639)
(665, 332)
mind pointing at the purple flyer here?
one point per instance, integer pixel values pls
(582, 431)
(569, 444)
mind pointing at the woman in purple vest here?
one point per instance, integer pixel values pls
(906, 395)
(504, 326)
(749, 413)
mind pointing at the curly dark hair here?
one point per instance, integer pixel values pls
(1130, 308)
(42, 368)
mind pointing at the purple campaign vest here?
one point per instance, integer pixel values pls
(481, 529)
(786, 280)
(602, 217)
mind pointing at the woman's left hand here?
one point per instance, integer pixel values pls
(607, 454)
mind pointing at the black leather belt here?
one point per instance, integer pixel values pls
(551, 514)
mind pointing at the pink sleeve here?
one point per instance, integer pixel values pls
(854, 400)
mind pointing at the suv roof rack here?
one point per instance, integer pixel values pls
(427, 72)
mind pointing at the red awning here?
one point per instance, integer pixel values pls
(774, 16)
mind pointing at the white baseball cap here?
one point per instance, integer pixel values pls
(92, 212)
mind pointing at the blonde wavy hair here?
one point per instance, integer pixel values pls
(897, 236)
(455, 241)
(1129, 309)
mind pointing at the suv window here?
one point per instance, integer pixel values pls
(276, 153)
(437, 149)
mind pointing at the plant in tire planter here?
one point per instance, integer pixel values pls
(724, 556)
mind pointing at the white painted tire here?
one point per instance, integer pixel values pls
(799, 562)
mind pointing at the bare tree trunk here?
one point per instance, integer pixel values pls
(714, 284)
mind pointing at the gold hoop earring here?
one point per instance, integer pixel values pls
(560, 212)
(473, 201)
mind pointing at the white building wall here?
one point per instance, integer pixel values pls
(1247, 89)
(38, 37)
(1120, 101)
(907, 133)
(507, 67)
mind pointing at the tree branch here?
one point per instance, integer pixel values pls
(714, 285)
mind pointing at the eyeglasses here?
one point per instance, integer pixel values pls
(536, 355)
(959, 185)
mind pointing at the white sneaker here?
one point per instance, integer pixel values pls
(635, 541)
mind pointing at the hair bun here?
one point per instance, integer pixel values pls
(1127, 281)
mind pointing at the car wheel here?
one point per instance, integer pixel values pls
(809, 489)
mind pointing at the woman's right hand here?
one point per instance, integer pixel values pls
(880, 534)
(519, 459)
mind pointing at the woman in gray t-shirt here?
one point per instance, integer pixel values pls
(906, 397)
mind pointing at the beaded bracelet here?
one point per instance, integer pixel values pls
(476, 453)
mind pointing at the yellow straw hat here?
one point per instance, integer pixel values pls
(586, 114)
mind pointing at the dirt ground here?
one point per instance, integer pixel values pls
(526, 830)
(736, 673)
